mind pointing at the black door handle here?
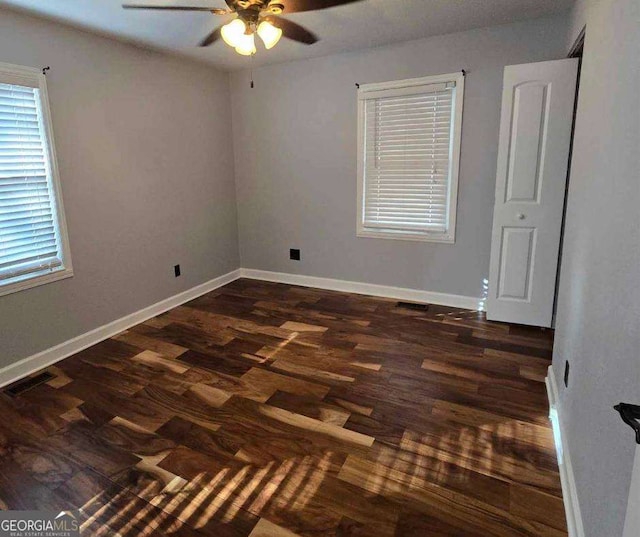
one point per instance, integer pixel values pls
(630, 414)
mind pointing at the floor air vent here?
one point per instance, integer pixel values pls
(23, 385)
(412, 306)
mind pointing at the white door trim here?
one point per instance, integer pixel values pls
(567, 477)
(632, 520)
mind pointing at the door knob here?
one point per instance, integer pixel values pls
(520, 216)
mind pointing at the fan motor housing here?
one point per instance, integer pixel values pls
(276, 9)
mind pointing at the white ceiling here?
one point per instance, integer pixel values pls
(364, 24)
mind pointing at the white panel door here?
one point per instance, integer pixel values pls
(533, 158)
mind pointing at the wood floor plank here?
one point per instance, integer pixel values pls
(269, 382)
(168, 350)
(310, 406)
(264, 528)
(263, 409)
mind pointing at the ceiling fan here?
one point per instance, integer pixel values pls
(255, 16)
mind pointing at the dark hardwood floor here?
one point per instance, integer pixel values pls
(271, 410)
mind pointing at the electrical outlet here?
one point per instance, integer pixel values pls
(176, 270)
(566, 374)
(294, 254)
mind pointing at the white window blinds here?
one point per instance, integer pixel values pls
(408, 135)
(30, 241)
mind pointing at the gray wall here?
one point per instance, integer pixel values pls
(147, 173)
(295, 140)
(146, 165)
(597, 327)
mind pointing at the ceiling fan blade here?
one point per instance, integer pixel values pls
(293, 31)
(213, 10)
(296, 6)
(211, 38)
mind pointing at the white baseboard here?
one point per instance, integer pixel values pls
(33, 363)
(567, 478)
(43, 359)
(400, 293)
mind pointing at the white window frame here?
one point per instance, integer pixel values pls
(430, 236)
(32, 77)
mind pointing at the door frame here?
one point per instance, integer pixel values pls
(576, 51)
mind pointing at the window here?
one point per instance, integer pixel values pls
(33, 244)
(409, 152)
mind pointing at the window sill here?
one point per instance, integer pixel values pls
(445, 238)
(35, 281)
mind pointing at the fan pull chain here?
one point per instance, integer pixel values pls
(251, 70)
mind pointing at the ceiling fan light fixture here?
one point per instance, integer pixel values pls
(269, 34)
(234, 32)
(246, 45)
